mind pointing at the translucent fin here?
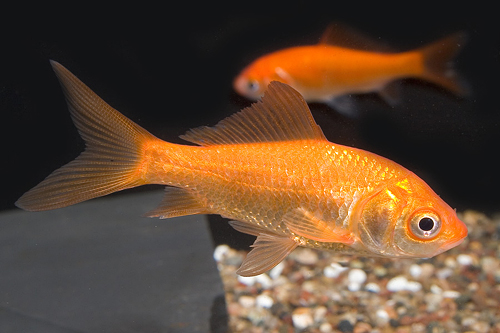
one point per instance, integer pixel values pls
(111, 158)
(437, 58)
(282, 115)
(178, 202)
(391, 93)
(344, 104)
(338, 34)
(268, 251)
(304, 224)
(246, 228)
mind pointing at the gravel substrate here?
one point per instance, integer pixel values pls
(319, 291)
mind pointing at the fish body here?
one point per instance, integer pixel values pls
(329, 70)
(268, 168)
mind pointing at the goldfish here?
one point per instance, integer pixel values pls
(330, 71)
(269, 169)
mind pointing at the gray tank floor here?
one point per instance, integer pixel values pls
(100, 266)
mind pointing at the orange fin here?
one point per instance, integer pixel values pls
(268, 251)
(111, 157)
(281, 115)
(304, 224)
(178, 202)
(437, 58)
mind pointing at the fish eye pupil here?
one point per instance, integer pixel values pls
(253, 85)
(426, 224)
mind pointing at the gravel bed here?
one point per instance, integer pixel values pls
(319, 291)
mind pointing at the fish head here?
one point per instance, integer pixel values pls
(408, 219)
(249, 85)
(252, 82)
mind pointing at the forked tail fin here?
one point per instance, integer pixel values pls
(112, 158)
(437, 60)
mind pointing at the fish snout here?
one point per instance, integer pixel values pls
(249, 88)
(457, 236)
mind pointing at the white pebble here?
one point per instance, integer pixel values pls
(400, 283)
(450, 262)
(356, 275)
(451, 294)
(246, 301)
(436, 289)
(310, 286)
(433, 301)
(247, 280)
(320, 313)
(413, 286)
(372, 287)
(220, 252)
(415, 270)
(277, 270)
(473, 286)
(464, 259)
(326, 328)
(382, 317)
(397, 283)
(427, 270)
(489, 264)
(306, 256)
(353, 286)
(302, 318)
(468, 321)
(264, 280)
(333, 270)
(444, 273)
(264, 301)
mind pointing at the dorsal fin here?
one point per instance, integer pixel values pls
(340, 35)
(282, 115)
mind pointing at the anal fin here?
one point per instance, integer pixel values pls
(178, 202)
(268, 251)
(305, 224)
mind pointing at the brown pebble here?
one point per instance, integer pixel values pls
(362, 328)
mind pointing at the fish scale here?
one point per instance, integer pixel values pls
(255, 178)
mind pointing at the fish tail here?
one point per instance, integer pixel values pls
(112, 160)
(437, 62)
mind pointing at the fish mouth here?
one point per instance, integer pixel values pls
(449, 245)
(239, 85)
(458, 238)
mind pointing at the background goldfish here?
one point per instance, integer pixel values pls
(345, 63)
(269, 168)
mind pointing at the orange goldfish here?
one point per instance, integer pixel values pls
(268, 168)
(329, 71)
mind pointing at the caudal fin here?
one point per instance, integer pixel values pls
(437, 60)
(112, 158)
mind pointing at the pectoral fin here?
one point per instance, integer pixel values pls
(391, 93)
(304, 224)
(268, 251)
(344, 104)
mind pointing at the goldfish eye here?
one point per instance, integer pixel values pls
(253, 85)
(425, 226)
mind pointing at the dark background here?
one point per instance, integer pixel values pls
(170, 68)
